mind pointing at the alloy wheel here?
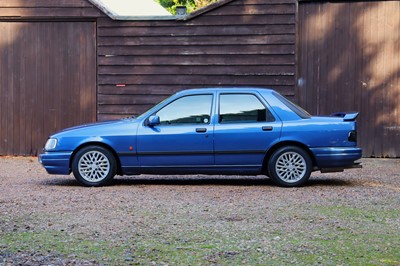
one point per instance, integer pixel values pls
(94, 166)
(291, 167)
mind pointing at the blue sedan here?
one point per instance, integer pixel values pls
(239, 131)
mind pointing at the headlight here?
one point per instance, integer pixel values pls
(50, 144)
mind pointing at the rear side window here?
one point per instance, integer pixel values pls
(295, 108)
(242, 108)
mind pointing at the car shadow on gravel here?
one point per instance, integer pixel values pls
(126, 181)
(203, 181)
(329, 182)
(198, 181)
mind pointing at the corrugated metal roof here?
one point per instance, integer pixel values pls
(133, 9)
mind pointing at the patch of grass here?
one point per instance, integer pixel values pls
(55, 242)
(349, 212)
(250, 248)
(301, 235)
(350, 236)
(341, 248)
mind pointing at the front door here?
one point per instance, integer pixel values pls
(183, 138)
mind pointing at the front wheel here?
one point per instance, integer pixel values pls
(94, 166)
(290, 166)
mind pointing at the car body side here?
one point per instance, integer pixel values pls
(325, 139)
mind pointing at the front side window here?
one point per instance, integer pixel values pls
(242, 108)
(194, 109)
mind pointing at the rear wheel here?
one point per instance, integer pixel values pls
(290, 166)
(94, 166)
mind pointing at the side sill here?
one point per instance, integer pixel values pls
(193, 170)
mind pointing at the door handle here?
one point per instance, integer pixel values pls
(201, 130)
(267, 128)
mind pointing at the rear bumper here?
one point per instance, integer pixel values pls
(336, 157)
(56, 163)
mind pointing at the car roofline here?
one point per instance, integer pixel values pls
(223, 89)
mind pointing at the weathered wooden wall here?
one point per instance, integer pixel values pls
(48, 9)
(349, 59)
(243, 43)
(47, 71)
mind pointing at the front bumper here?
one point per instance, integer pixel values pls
(336, 157)
(56, 163)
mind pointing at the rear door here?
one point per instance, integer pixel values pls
(244, 131)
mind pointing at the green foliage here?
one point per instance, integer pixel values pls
(191, 5)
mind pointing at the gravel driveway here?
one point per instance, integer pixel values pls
(199, 220)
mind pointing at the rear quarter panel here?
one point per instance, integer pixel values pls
(319, 132)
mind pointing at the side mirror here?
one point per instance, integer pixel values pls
(154, 120)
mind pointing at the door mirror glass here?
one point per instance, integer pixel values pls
(154, 120)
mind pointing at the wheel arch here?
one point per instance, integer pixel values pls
(285, 144)
(100, 144)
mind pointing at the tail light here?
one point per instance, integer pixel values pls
(352, 136)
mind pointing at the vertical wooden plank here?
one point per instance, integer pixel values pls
(3, 41)
(328, 70)
(386, 111)
(20, 105)
(305, 87)
(299, 73)
(12, 60)
(365, 128)
(313, 63)
(361, 91)
(341, 54)
(391, 88)
(349, 36)
(48, 98)
(88, 102)
(36, 98)
(397, 82)
(379, 68)
(355, 83)
(370, 95)
(3, 87)
(323, 53)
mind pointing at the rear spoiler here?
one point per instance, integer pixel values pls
(347, 116)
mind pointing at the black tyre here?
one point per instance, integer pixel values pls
(290, 166)
(94, 166)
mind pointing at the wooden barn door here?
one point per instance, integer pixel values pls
(349, 59)
(47, 81)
